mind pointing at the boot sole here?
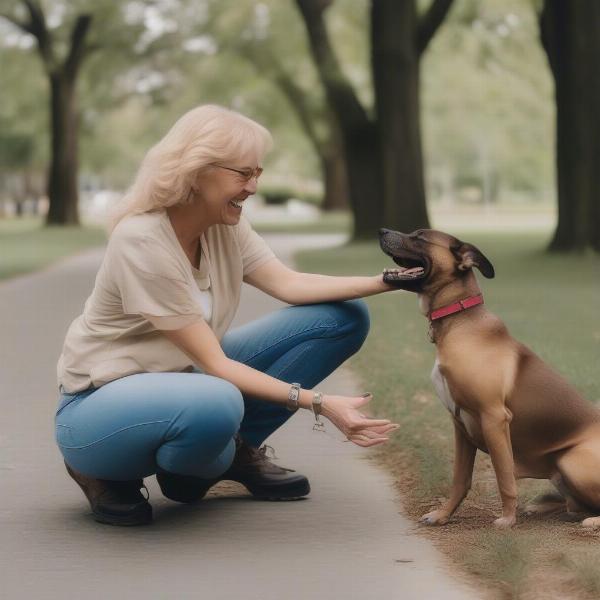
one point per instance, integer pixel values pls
(290, 492)
(123, 521)
(295, 491)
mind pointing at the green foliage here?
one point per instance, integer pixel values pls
(23, 141)
(488, 106)
(486, 92)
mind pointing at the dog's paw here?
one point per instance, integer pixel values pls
(505, 522)
(544, 508)
(435, 517)
(591, 522)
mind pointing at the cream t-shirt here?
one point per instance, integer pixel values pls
(146, 283)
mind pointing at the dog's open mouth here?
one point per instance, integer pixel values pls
(403, 274)
(412, 265)
(410, 268)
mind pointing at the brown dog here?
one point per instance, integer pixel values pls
(503, 398)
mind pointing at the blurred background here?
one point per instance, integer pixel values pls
(397, 114)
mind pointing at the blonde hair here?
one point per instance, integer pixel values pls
(204, 135)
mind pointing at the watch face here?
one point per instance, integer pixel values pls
(293, 396)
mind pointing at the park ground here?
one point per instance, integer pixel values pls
(548, 302)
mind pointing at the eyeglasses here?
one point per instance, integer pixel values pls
(245, 174)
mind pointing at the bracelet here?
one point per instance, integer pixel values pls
(317, 405)
(293, 401)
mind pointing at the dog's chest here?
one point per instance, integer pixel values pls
(443, 392)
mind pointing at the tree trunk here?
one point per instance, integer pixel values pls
(395, 67)
(570, 34)
(336, 187)
(364, 178)
(335, 173)
(384, 155)
(62, 179)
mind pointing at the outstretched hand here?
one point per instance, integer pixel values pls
(344, 413)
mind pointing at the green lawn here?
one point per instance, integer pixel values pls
(334, 222)
(26, 245)
(550, 303)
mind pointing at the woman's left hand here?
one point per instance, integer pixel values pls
(345, 413)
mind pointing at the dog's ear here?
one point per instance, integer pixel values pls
(469, 256)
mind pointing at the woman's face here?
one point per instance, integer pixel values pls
(221, 190)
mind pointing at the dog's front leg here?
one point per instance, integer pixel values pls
(495, 426)
(464, 458)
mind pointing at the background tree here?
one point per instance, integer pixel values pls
(570, 33)
(62, 72)
(66, 35)
(486, 94)
(319, 124)
(260, 33)
(383, 152)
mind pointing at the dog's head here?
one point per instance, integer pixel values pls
(438, 258)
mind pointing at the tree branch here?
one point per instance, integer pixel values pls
(265, 62)
(548, 20)
(20, 24)
(78, 49)
(37, 28)
(430, 22)
(340, 94)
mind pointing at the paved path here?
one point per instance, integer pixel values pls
(348, 540)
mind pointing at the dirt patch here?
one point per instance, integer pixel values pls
(541, 557)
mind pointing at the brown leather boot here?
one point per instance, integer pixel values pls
(114, 502)
(250, 467)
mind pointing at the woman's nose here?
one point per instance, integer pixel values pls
(251, 185)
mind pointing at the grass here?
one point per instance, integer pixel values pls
(501, 556)
(26, 245)
(549, 302)
(332, 222)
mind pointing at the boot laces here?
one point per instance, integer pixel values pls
(261, 455)
(263, 451)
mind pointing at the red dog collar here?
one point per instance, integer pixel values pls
(456, 307)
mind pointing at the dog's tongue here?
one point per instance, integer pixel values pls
(401, 274)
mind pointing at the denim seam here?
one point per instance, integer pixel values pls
(110, 434)
(295, 360)
(284, 339)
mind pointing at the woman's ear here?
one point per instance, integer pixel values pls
(470, 256)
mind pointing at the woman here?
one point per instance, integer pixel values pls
(151, 381)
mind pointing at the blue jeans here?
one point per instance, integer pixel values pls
(185, 423)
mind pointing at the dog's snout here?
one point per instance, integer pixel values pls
(383, 232)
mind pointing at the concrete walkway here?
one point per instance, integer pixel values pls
(347, 540)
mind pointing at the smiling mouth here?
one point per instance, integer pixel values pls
(237, 205)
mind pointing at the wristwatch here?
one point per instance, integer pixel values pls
(294, 397)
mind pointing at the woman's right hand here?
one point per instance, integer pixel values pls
(344, 413)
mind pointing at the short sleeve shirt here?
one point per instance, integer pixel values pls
(146, 283)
